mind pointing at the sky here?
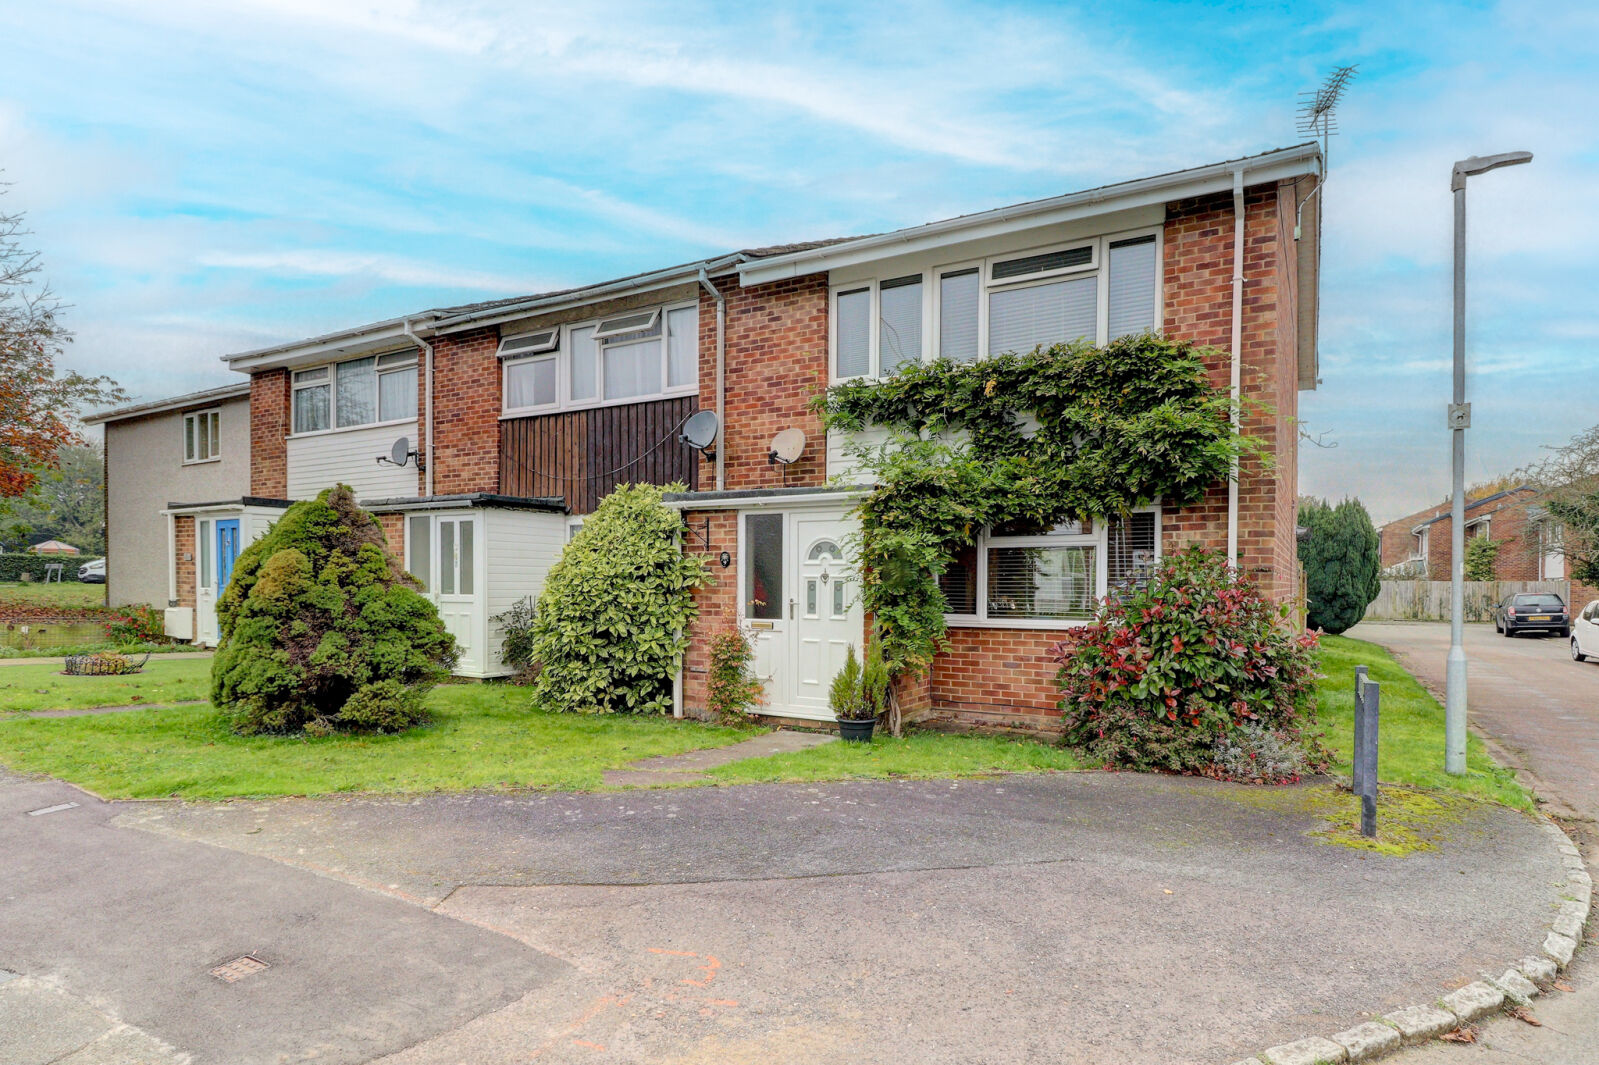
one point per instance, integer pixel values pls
(205, 177)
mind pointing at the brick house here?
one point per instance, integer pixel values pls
(482, 434)
(1419, 545)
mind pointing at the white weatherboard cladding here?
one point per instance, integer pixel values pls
(842, 464)
(350, 457)
(521, 547)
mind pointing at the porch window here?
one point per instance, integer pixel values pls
(1027, 577)
(763, 566)
(202, 536)
(201, 431)
(419, 548)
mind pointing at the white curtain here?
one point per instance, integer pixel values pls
(530, 384)
(682, 347)
(585, 364)
(633, 369)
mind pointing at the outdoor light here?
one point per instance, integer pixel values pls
(1459, 421)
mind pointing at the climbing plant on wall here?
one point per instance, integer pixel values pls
(1058, 434)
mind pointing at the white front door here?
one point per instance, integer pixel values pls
(442, 552)
(799, 600)
(827, 616)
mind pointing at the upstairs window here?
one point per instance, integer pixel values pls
(1096, 290)
(201, 436)
(624, 358)
(346, 395)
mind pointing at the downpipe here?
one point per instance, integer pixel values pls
(1236, 378)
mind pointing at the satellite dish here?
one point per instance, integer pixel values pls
(699, 431)
(787, 446)
(401, 451)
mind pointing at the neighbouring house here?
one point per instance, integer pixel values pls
(195, 446)
(482, 434)
(53, 547)
(1418, 545)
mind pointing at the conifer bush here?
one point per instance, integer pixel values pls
(1173, 675)
(323, 631)
(1342, 557)
(613, 618)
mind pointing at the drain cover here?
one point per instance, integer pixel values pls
(237, 969)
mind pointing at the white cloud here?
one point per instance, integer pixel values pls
(329, 263)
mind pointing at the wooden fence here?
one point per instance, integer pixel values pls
(1429, 600)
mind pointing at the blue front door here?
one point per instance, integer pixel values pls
(227, 552)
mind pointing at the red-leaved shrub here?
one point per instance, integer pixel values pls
(1169, 676)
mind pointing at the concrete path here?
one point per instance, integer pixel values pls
(1542, 710)
(690, 767)
(1091, 918)
(132, 924)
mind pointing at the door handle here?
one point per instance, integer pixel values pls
(791, 602)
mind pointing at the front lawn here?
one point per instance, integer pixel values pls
(481, 737)
(44, 687)
(1410, 732)
(62, 593)
(919, 755)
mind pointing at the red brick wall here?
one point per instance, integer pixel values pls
(269, 431)
(1198, 307)
(998, 678)
(183, 548)
(776, 361)
(466, 413)
(717, 601)
(394, 533)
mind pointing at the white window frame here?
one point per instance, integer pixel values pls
(191, 434)
(1097, 266)
(657, 316)
(402, 359)
(1098, 539)
(505, 383)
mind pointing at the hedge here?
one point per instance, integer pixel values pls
(12, 567)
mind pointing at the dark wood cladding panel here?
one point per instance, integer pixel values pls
(581, 455)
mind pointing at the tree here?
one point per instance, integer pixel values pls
(66, 503)
(36, 403)
(322, 630)
(1342, 557)
(1568, 485)
(615, 610)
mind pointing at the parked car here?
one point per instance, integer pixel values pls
(92, 572)
(1585, 633)
(1532, 612)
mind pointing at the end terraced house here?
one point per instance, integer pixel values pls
(482, 434)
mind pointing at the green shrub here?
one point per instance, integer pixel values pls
(613, 618)
(140, 623)
(732, 689)
(516, 642)
(1342, 556)
(1481, 556)
(322, 630)
(844, 696)
(1165, 677)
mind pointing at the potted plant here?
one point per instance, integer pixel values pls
(859, 694)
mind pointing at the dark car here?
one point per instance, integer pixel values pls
(1532, 612)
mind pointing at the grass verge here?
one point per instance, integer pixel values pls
(64, 593)
(43, 687)
(918, 755)
(1411, 729)
(482, 736)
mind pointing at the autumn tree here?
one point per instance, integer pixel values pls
(1567, 480)
(37, 403)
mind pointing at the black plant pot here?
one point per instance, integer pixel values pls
(857, 731)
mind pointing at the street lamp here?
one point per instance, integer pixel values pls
(1459, 422)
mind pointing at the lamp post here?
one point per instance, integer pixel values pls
(1459, 422)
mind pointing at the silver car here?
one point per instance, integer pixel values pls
(92, 572)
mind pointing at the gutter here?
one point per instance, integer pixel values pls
(721, 374)
(427, 409)
(1236, 380)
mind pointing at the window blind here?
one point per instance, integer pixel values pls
(958, 294)
(854, 336)
(1132, 286)
(900, 323)
(1020, 319)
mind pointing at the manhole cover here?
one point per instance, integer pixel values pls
(238, 969)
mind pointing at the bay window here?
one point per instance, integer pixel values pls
(1095, 289)
(357, 392)
(1021, 576)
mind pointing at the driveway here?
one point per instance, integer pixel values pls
(1542, 709)
(1090, 918)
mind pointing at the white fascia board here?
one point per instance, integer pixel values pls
(560, 301)
(1260, 170)
(759, 502)
(331, 347)
(162, 406)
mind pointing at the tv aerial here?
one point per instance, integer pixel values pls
(1318, 117)
(699, 432)
(786, 447)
